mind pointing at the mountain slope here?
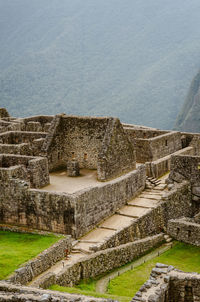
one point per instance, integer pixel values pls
(189, 117)
(133, 59)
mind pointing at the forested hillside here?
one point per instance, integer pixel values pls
(133, 58)
(189, 117)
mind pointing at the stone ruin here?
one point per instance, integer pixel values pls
(118, 158)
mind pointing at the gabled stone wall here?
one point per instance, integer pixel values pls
(117, 155)
(95, 143)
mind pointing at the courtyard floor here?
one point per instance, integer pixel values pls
(60, 182)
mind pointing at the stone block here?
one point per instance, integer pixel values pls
(73, 168)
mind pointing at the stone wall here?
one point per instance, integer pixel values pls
(40, 123)
(3, 113)
(36, 168)
(9, 126)
(134, 133)
(76, 138)
(117, 154)
(167, 284)
(175, 204)
(97, 203)
(105, 261)
(157, 147)
(165, 144)
(185, 167)
(19, 137)
(42, 262)
(95, 143)
(16, 293)
(21, 149)
(185, 230)
(161, 166)
(191, 139)
(184, 287)
(73, 214)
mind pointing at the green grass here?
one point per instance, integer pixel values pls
(122, 288)
(88, 290)
(183, 256)
(17, 248)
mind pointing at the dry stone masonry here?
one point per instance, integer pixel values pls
(106, 163)
(167, 284)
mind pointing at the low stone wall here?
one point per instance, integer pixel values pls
(73, 214)
(134, 133)
(184, 230)
(3, 113)
(19, 137)
(104, 261)
(167, 284)
(175, 204)
(36, 123)
(97, 203)
(11, 292)
(36, 168)
(152, 149)
(156, 289)
(185, 167)
(22, 149)
(42, 262)
(165, 144)
(184, 287)
(161, 166)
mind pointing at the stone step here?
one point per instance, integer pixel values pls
(143, 202)
(132, 211)
(152, 191)
(116, 222)
(150, 196)
(160, 187)
(81, 251)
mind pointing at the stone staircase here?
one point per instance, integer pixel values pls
(134, 209)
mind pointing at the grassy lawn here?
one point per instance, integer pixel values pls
(122, 288)
(183, 256)
(88, 289)
(17, 248)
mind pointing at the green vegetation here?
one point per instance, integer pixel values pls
(17, 248)
(87, 290)
(131, 59)
(183, 256)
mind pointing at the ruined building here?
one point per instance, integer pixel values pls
(71, 175)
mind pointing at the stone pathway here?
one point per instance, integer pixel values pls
(134, 209)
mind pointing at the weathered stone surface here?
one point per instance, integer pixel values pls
(106, 260)
(176, 203)
(16, 293)
(184, 230)
(42, 262)
(73, 168)
(96, 143)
